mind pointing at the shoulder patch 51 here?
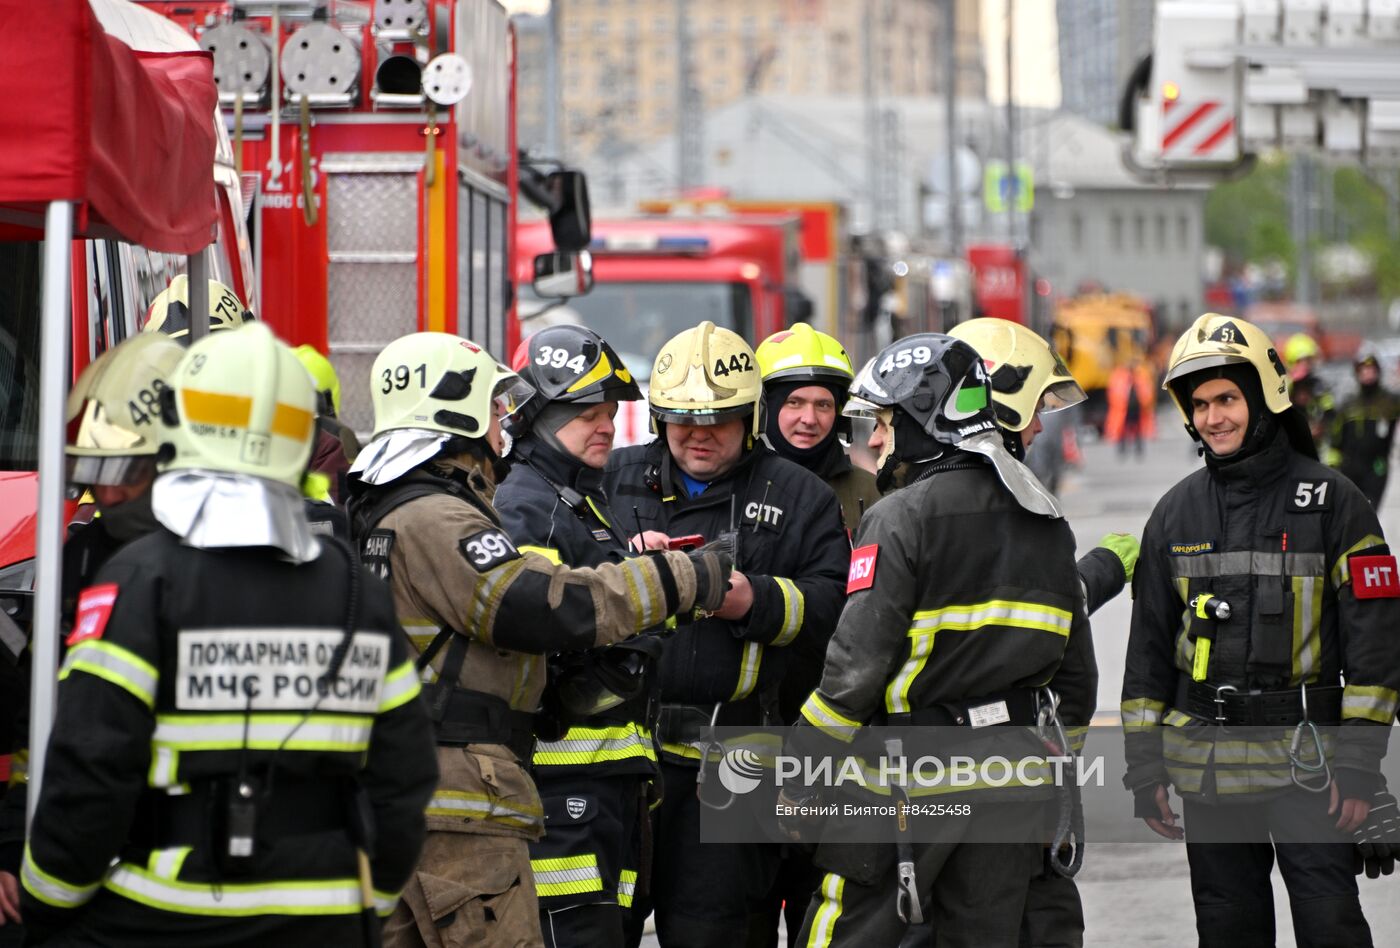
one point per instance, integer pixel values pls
(862, 574)
(1312, 496)
(1374, 577)
(94, 609)
(488, 549)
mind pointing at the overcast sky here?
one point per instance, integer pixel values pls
(1037, 55)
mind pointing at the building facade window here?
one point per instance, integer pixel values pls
(1115, 225)
(1076, 231)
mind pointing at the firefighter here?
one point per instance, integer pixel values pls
(593, 781)
(1030, 380)
(335, 441)
(114, 434)
(806, 375)
(709, 474)
(228, 768)
(482, 616)
(1309, 392)
(936, 554)
(1261, 585)
(169, 312)
(1363, 430)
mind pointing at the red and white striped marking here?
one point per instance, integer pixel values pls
(1199, 131)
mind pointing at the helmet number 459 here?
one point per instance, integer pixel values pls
(915, 355)
(400, 375)
(559, 358)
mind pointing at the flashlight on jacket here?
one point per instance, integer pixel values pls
(1206, 606)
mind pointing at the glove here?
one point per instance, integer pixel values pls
(798, 818)
(712, 568)
(1145, 803)
(1126, 547)
(1378, 839)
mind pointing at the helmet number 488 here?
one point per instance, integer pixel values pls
(915, 355)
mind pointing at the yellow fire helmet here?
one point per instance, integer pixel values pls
(1300, 346)
(169, 313)
(1213, 341)
(705, 376)
(1023, 368)
(802, 352)
(435, 381)
(116, 405)
(243, 404)
(323, 377)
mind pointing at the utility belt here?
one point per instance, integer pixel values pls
(1227, 706)
(293, 806)
(688, 723)
(474, 717)
(1014, 707)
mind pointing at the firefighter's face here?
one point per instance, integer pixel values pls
(1029, 432)
(588, 436)
(1221, 416)
(494, 437)
(881, 441)
(807, 416)
(706, 452)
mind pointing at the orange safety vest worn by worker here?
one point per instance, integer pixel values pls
(1139, 380)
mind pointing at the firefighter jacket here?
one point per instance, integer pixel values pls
(956, 594)
(1276, 536)
(88, 547)
(553, 505)
(1361, 434)
(854, 486)
(792, 548)
(453, 569)
(191, 672)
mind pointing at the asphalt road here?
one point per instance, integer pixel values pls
(1139, 894)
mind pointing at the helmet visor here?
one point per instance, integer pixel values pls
(860, 408)
(1210, 361)
(1061, 395)
(510, 392)
(700, 416)
(85, 471)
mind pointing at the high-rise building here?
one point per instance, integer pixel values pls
(534, 50)
(619, 62)
(1100, 43)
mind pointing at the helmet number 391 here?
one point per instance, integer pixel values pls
(400, 375)
(559, 358)
(903, 358)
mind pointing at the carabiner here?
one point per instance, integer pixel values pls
(1296, 762)
(1048, 715)
(712, 745)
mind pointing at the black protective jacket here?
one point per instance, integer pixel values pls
(958, 595)
(791, 546)
(177, 686)
(553, 505)
(1274, 535)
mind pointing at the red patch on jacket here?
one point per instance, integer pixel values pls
(94, 609)
(862, 574)
(1374, 577)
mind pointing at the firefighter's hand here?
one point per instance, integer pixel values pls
(650, 540)
(739, 600)
(9, 898)
(1353, 811)
(1164, 823)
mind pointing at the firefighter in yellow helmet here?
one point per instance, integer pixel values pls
(240, 754)
(709, 474)
(1309, 392)
(114, 436)
(169, 313)
(806, 375)
(482, 616)
(335, 442)
(1265, 609)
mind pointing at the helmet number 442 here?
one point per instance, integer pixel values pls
(738, 362)
(559, 358)
(915, 355)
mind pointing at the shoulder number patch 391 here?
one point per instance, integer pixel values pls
(1374, 577)
(488, 549)
(862, 574)
(94, 609)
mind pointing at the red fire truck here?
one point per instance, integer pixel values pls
(377, 145)
(654, 277)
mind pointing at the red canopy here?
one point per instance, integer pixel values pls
(127, 135)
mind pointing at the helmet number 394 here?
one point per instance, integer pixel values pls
(903, 358)
(559, 358)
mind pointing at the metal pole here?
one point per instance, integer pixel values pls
(950, 117)
(1010, 121)
(872, 120)
(1299, 193)
(48, 571)
(199, 293)
(551, 90)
